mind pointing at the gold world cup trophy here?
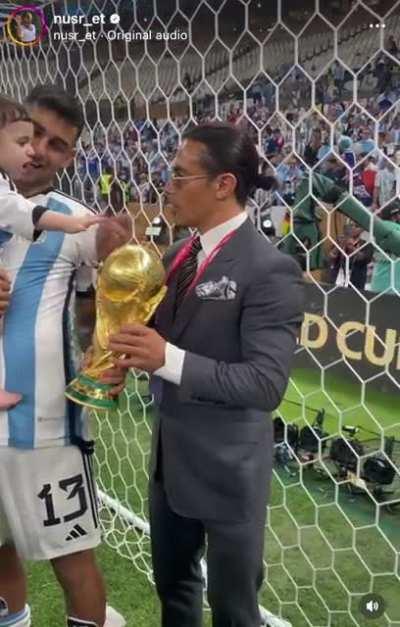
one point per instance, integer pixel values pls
(130, 286)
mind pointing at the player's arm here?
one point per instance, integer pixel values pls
(93, 246)
(113, 233)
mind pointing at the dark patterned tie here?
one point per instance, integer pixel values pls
(187, 272)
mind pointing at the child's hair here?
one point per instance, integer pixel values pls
(11, 111)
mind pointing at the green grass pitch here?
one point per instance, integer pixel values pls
(324, 547)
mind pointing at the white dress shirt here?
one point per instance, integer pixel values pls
(174, 356)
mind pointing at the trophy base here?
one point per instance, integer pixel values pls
(88, 392)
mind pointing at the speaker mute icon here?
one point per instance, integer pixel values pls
(372, 606)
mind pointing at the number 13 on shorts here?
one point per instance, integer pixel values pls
(52, 508)
(71, 486)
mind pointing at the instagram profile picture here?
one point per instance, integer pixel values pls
(26, 25)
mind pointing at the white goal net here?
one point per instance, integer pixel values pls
(317, 84)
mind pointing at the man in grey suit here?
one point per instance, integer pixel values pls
(220, 352)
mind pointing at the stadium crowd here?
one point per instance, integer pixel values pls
(336, 138)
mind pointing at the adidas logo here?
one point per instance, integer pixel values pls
(75, 533)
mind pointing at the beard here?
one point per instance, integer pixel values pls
(33, 180)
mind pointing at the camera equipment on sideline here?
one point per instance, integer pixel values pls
(378, 469)
(311, 438)
(345, 452)
(286, 438)
(285, 432)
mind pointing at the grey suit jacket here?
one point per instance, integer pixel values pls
(215, 429)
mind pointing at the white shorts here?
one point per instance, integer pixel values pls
(48, 502)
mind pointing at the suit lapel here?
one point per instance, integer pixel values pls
(191, 302)
(164, 315)
(220, 265)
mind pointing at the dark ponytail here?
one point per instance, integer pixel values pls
(266, 182)
(230, 149)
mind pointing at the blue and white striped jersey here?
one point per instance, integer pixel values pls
(37, 346)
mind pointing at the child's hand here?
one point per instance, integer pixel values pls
(76, 224)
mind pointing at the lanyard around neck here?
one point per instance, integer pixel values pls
(185, 252)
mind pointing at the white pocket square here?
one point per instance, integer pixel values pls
(224, 289)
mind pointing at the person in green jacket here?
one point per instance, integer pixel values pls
(386, 272)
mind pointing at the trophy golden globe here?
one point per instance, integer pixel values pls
(130, 286)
